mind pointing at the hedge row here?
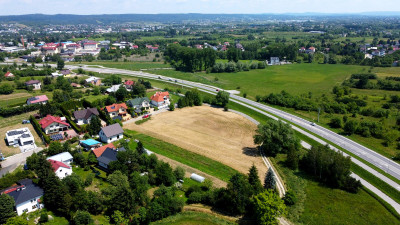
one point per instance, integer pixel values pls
(39, 130)
(7, 112)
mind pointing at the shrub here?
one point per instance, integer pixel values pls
(290, 198)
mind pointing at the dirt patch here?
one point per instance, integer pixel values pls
(9, 150)
(222, 136)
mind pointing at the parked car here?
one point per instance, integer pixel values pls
(312, 124)
(145, 116)
(26, 121)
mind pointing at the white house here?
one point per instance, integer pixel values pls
(111, 133)
(26, 195)
(84, 116)
(60, 169)
(139, 103)
(20, 137)
(160, 99)
(36, 84)
(52, 124)
(64, 157)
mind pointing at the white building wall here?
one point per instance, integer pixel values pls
(104, 139)
(62, 172)
(29, 206)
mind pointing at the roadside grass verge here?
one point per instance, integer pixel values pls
(204, 164)
(142, 121)
(319, 204)
(193, 218)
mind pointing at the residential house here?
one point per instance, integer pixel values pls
(36, 84)
(111, 133)
(310, 50)
(160, 99)
(55, 75)
(20, 137)
(93, 80)
(41, 99)
(53, 124)
(9, 75)
(66, 73)
(90, 45)
(84, 116)
(139, 103)
(99, 151)
(64, 157)
(26, 196)
(274, 61)
(90, 144)
(113, 88)
(129, 84)
(109, 155)
(75, 85)
(118, 110)
(60, 169)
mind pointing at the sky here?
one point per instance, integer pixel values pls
(87, 7)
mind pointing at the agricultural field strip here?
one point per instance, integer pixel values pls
(212, 90)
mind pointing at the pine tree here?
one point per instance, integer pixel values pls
(95, 125)
(254, 180)
(270, 182)
(140, 149)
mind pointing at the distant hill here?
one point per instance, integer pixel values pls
(173, 18)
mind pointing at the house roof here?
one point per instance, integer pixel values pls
(24, 191)
(115, 107)
(49, 119)
(90, 142)
(99, 151)
(65, 72)
(57, 164)
(86, 113)
(137, 101)
(37, 99)
(129, 82)
(8, 74)
(32, 82)
(62, 157)
(109, 155)
(113, 88)
(112, 130)
(159, 96)
(90, 79)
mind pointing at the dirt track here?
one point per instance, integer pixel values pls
(222, 136)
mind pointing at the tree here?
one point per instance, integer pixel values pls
(290, 198)
(350, 127)
(222, 98)
(83, 218)
(171, 106)
(6, 89)
(336, 122)
(179, 173)
(139, 148)
(60, 64)
(16, 221)
(6, 207)
(55, 148)
(254, 180)
(138, 90)
(121, 93)
(118, 218)
(276, 137)
(292, 159)
(165, 175)
(239, 193)
(95, 125)
(268, 207)
(270, 180)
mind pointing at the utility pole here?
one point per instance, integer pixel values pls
(319, 111)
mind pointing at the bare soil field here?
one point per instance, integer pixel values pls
(222, 136)
(9, 150)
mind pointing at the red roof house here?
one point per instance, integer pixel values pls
(129, 84)
(99, 151)
(53, 124)
(160, 99)
(57, 164)
(115, 110)
(9, 74)
(61, 169)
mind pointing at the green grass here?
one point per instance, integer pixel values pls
(184, 156)
(295, 78)
(130, 65)
(142, 121)
(318, 204)
(193, 218)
